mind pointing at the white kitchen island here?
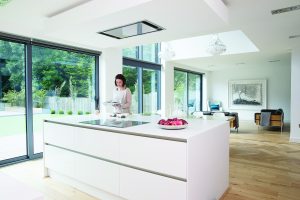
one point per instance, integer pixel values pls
(142, 162)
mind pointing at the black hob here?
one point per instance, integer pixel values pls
(114, 123)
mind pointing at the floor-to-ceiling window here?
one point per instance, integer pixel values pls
(150, 90)
(187, 91)
(63, 83)
(12, 100)
(37, 81)
(180, 90)
(141, 67)
(131, 74)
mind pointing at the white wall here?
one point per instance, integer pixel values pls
(295, 96)
(111, 64)
(278, 78)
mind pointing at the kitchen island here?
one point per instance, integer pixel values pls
(141, 162)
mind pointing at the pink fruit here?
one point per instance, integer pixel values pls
(172, 122)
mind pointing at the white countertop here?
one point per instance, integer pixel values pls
(195, 126)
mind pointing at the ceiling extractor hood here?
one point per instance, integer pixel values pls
(130, 30)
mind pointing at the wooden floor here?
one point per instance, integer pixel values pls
(263, 165)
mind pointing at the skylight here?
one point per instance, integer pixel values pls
(130, 30)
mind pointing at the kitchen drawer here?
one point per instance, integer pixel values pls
(158, 155)
(97, 143)
(59, 160)
(97, 173)
(137, 185)
(59, 135)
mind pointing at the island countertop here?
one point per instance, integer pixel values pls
(151, 129)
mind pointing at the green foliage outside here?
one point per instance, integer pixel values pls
(54, 72)
(131, 75)
(15, 98)
(80, 112)
(180, 79)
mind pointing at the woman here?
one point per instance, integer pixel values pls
(122, 95)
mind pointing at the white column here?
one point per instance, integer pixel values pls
(111, 64)
(295, 96)
(167, 89)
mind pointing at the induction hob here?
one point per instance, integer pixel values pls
(114, 123)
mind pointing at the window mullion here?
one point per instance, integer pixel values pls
(28, 99)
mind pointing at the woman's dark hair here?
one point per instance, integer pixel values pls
(121, 77)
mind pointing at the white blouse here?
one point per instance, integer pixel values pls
(124, 98)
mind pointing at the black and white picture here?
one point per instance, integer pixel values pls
(247, 94)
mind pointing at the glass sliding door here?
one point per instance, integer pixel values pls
(150, 91)
(180, 91)
(63, 83)
(142, 70)
(194, 91)
(12, 101)
(131, 74)
(187, 92)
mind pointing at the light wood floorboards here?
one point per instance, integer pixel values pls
(263, 165)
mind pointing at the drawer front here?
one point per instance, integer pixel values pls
(97, 143)
(100, 174)
(60, 135)
(137, 185)
(59, 160)
(162, 156)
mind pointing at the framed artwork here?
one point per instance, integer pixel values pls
(247, 94)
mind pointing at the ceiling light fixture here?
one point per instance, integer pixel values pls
(216, 46)
(167, 52)
(4, 2)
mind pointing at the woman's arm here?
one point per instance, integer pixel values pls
(128, 99)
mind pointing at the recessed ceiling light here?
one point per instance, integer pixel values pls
(272, 61)
(130, 30)
(287, 9)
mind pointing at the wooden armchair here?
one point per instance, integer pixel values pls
(276, 118)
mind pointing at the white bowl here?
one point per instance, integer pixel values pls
(170, 127)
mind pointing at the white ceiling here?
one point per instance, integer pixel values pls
(76, 22)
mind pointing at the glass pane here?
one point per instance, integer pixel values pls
(130, 30)
(194, 93)
(12, 100)
(63, 83)
(150, 87)
(180, 91)
(131, 75)
(149, 53)
(130, 52)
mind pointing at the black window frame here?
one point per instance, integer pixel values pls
(28, 44)
(140, 65)
(187, 84)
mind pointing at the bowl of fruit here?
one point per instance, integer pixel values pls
(172, 124)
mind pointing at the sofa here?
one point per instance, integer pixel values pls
(232, 114)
